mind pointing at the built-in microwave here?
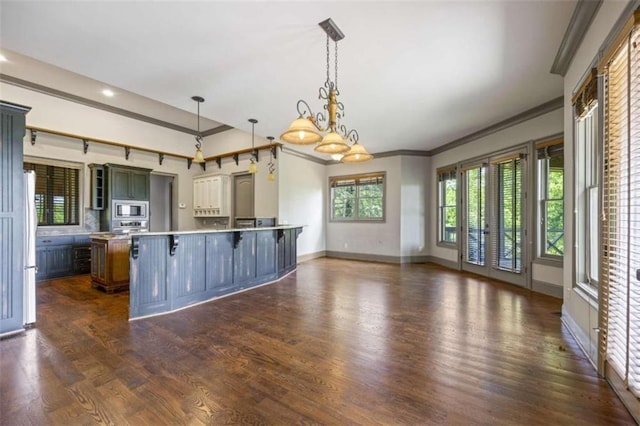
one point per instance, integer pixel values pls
(128, 209)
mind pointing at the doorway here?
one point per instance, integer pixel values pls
(494, 217)
(161, 203)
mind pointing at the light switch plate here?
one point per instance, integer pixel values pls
(182, 205)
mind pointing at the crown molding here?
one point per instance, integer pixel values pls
(304, 156)
(14, 81)
(397, 152)
(534, 112)
(583, 14)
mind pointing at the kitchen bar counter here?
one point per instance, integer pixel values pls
(174, 270)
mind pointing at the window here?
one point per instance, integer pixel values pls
(359, 197)
(620, 295)
(551, 198)
(57, 194)
(587, 162)
(447, 209)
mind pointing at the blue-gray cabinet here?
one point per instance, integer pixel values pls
(128, 183)
(172, 270)
(12, 217)
(60, 256)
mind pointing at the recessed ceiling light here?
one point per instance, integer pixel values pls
(108, 92)
(3, 58)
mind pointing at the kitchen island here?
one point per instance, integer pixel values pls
(173, 270)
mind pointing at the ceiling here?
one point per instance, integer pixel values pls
(412, 75)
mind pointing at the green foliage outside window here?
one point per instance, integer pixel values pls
(358, 198)
(552, 169)
(447, 215)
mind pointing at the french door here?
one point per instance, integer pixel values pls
(493, 218)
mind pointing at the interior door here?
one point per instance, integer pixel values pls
(243, 195)
(493, 218)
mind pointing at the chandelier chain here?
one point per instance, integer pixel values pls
(328, 77)
(336, 64)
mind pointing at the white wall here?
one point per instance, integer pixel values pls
(375, 238)
(542, 126)
(581, 314)
(60, 115)
(302, 200)
(414, 215)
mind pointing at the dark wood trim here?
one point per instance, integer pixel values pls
(581, 19)
(408, 152)
(305, 156)
(532, 113)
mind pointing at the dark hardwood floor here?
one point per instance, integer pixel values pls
(337, 342)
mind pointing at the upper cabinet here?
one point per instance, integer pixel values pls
(129, 183)
(211, 196)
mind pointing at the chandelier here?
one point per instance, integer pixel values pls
(198, 157)
(307, 129)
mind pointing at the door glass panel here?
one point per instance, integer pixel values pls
(474, 250)
(507, 242)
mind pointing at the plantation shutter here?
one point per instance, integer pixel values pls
(620, 289)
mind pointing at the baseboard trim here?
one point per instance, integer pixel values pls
(309, 256)
(375, 257)
(547, 288)
(578, 334)
(443, 262)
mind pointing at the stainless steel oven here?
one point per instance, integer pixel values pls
(129, 216)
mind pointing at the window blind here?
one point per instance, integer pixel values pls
(587, 94)
(475, 214)
(620, 289)
(506, 227)
(57, 194)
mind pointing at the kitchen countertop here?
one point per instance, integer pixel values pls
(66, 232)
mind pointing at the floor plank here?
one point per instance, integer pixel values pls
(336, 342)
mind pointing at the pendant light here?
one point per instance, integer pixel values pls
(272, 168)
(198, 157)
(253, 167)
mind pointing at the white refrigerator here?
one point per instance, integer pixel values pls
(29, 294)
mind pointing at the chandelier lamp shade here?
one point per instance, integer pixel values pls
(324, 129)
(198, 157)
(357, 154)
(253, 167)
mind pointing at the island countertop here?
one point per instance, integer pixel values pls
(209, 231)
